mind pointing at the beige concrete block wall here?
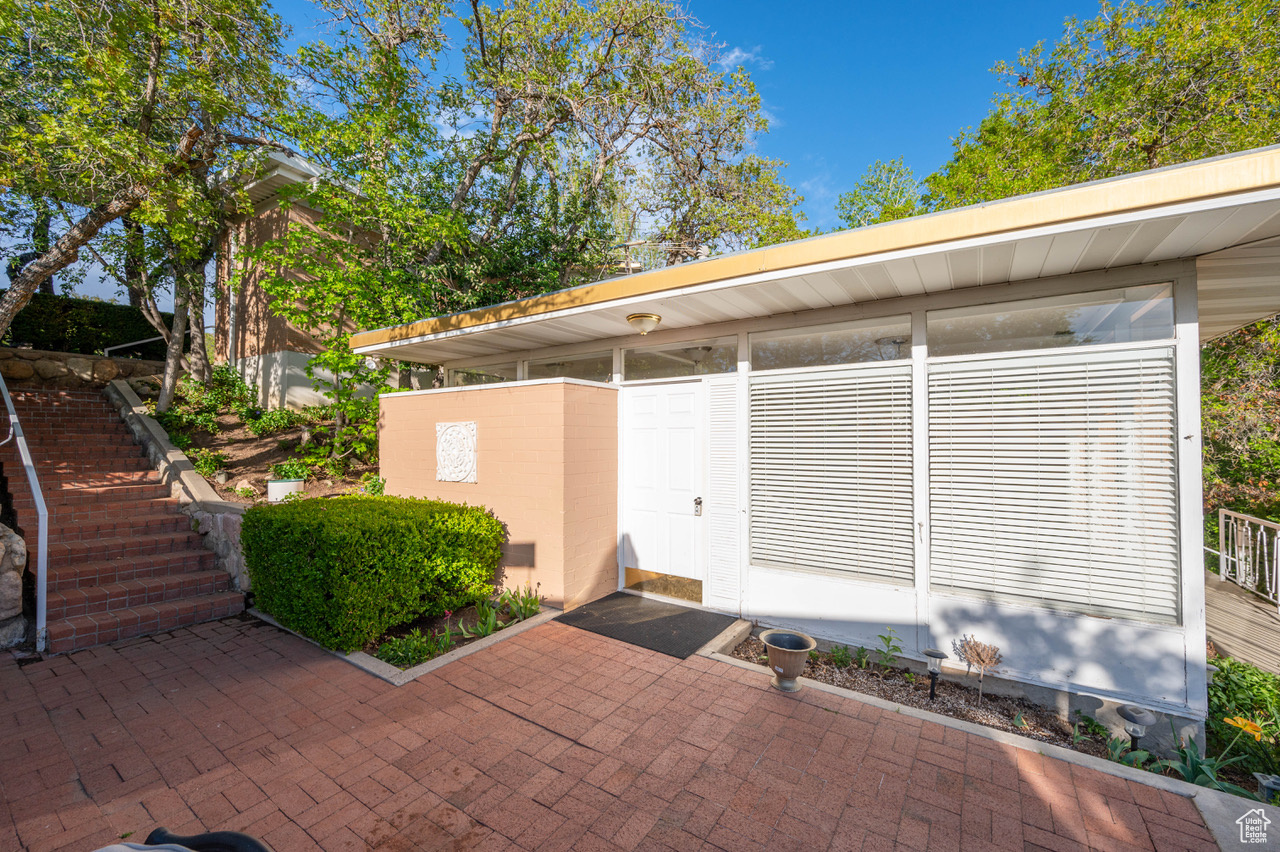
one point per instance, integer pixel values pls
(544, 467)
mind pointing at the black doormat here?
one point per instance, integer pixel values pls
(676, 631)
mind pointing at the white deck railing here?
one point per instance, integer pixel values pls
(42, 516)
(1248, 554)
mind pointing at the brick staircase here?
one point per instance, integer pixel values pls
(123, 559)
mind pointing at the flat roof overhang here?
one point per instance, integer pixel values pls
(1223, 212)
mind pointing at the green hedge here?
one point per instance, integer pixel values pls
(86, 326)
(344, 570)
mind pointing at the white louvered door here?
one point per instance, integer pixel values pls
(831, 476)
(1053, 482)
(723, 589)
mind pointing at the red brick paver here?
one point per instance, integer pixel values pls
(554, 739)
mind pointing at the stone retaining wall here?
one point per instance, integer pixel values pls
(35, 367)
(13, 561)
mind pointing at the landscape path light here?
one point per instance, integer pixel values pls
(1136, 721)
(935, 668)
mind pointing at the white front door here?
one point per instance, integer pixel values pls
(663, 476)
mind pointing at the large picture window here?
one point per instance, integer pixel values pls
(1053, 482)
(831, 472)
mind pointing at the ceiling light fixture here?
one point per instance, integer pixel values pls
(644, 323)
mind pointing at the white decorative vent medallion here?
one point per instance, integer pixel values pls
(456, 452)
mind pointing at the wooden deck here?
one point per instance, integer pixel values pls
(1242, 625)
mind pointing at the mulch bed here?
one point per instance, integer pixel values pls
(251, 458)
(953, 699)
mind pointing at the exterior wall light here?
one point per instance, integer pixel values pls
(1136, 721)
(644, 323)
(935, 668)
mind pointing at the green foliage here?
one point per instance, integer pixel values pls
(1091, 726)
(65, 324)
(521, 603)
(1201, 770)
(372, 484)
(862, 657)
(414, 648)
(1240, 412)
(886, 192)
(1143, 85)
(290, 469)
(225, 391)
(208, 462)
(889, 648)
(246, 493)
(1119, 751)
(1240, 689)
(344, 570)
(274, 421)
(841, 657)
(1019, 721)
(487, 622)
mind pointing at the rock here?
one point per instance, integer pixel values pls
(50, 369)
(16, 370)
(10, 594)
(105, 370)
(13, 632)
(145, 387)
(30, 354)
(5, 354)
(81, 367)
(244, 483)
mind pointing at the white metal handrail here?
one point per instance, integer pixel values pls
(42, 516)
(106, 353)
(1249, 554)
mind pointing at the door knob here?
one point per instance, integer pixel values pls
(697, 507)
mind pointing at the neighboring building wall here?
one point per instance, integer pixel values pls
(267, 351)
(546, 466)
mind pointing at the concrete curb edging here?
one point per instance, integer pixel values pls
(399, 677)
(216, 519)
(1219, 810)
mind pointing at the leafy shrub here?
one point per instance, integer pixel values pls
(487, 622)
(87, 326)
(841, 656)
(273, 421)
(208, 462)
(291, 469)
(346, 569)
(1240, 689)
(414, 648)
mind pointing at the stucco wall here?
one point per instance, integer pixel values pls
(546, 465)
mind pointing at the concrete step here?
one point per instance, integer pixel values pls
(85, 631)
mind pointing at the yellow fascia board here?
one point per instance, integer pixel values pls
(1202, 179)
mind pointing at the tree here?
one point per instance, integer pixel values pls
(887, 191)
(120, 108)
(1143, 85)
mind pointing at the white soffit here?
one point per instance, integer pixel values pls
(1237, 286)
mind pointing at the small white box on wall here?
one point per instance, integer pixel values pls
(456, 452)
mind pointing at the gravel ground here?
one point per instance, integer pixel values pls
(955, 700)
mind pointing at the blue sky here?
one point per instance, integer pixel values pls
(850, 83)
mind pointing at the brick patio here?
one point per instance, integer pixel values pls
(553, 739)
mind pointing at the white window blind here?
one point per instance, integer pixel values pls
(831, 472)
(1053, 482)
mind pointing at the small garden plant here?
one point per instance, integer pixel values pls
(978, 655)
(889, 649)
